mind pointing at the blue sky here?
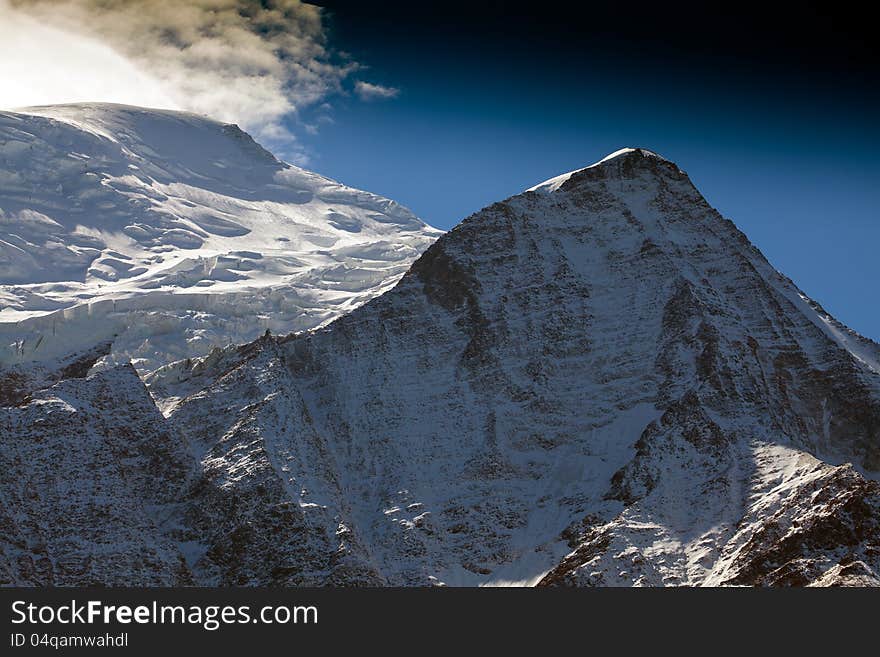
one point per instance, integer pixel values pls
(786, 147)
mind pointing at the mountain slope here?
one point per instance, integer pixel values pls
(599, 381)
(86, 488)
(170, 233)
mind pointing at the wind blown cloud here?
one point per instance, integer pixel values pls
(369, 91)
(255, 63)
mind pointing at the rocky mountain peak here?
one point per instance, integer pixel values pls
(597, 382)
(626, 163)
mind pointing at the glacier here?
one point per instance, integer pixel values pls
(170, 234)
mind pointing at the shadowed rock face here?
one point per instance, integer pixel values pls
(597, 382)
(90, 472)
(17, 382)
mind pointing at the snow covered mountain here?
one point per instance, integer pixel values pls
(599, 381)
(169, 234)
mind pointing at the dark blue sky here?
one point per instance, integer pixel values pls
(774, 116)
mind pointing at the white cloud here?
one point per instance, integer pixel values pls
(41, 64)
(254, 63)
(369, 91)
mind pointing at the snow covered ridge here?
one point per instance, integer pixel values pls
(622, 155)
(605, 385)
(169, 234)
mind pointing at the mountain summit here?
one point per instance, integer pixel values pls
(641, 155)
(596, 382)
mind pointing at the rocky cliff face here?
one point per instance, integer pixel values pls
(599, 381)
